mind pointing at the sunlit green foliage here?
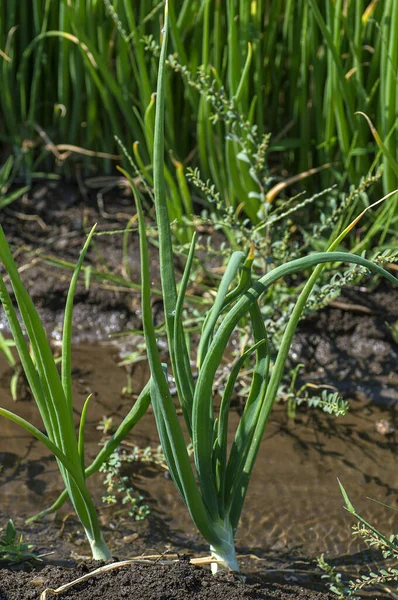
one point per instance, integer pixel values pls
(214, 490)
(279, 79)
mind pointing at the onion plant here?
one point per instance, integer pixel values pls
(214, 489)
(53, 395)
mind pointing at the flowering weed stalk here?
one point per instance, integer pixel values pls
(383, 577)
(214, 491)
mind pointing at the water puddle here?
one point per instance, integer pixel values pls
(293, 503)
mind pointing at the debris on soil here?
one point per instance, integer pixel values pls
(178, 581)
(385, 427)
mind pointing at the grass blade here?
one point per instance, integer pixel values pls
(66, 367)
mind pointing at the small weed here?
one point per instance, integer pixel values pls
(12, 550)
(106, 425)
(334, 583)
(329, 400)
(381, 577)
(118, 488)
(394, 331)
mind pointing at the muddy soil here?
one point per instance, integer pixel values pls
(50, 224)
(296, 472)
(294, 509)
(351, 343)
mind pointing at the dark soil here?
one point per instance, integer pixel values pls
(52, 221)
(350, 344)
(178, 581)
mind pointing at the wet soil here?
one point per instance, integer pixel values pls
(351, 344)
(295, 472)
(294, 509)
(50, 223)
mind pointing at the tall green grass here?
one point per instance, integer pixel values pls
(74, 76)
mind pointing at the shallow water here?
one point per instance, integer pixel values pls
(293, 503)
